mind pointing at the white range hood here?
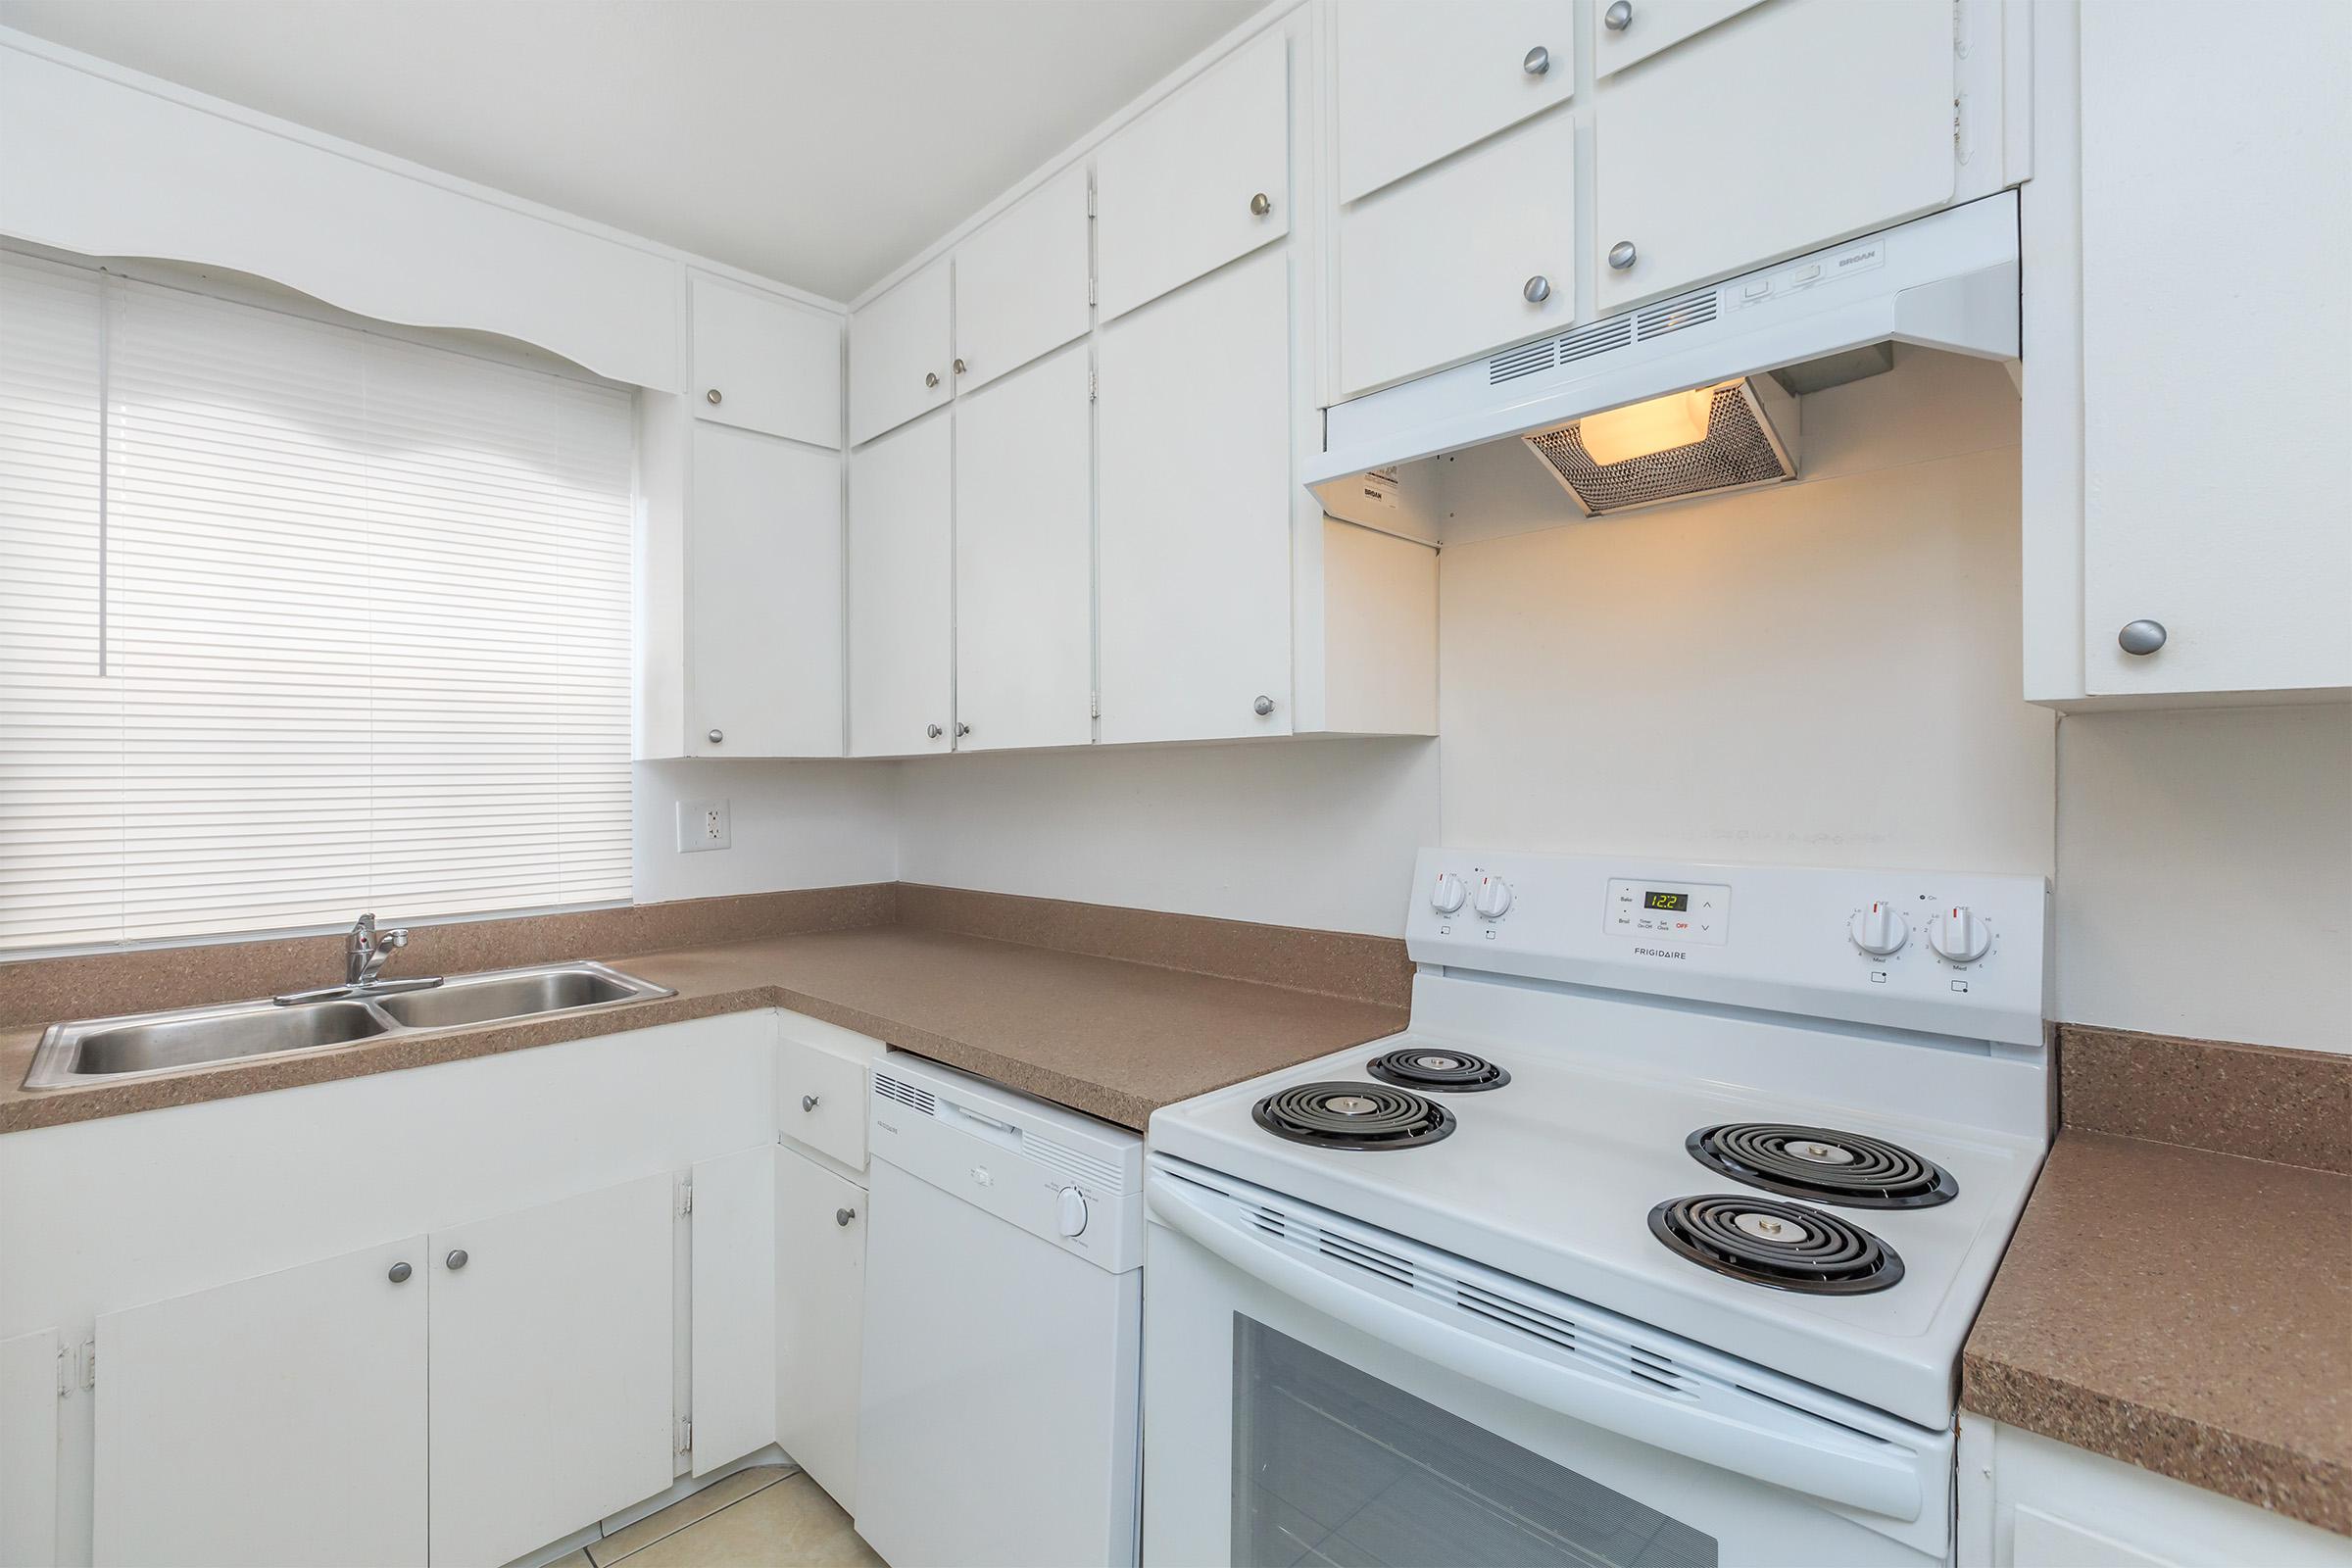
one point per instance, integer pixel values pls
(1945, 282)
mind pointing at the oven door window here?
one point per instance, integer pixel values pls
(1331, 1466)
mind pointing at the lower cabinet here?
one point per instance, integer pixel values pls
(820, 1305)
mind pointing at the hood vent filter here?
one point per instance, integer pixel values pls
(1750, 439)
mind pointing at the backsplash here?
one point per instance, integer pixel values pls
(2261, 1101)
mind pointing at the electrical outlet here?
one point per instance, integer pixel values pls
(703, 825)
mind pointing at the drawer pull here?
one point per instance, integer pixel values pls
(808, 1102)
(1621, 256)
(1260, 205)
(842, 1216)
(1618, 17)
(1537, 61)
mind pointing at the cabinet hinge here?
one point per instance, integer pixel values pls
(685, 1434)
(1094, 384)
(1090, 291)
(1090, 198)
(686, 1196)
(1094, 705)
(84, 1370)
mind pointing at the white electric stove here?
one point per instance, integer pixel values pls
(1654, 1240)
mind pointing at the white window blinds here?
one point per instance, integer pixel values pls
(298, 619)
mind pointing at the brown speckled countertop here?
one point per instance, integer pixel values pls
(2186, 1310)
(1108, 1036)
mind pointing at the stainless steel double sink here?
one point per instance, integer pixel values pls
(141, 1045)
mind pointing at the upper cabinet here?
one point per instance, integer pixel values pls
(765, 364)
(901, 585)
(901, 360)
(1415, 81)
(1023, 283)
(1197, 181)
(1786, 127)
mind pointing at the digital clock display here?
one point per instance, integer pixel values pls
(1666, 900)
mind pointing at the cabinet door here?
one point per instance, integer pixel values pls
(2214, 499)
(820, 1305)
(1177, 192)
(899, 354)
(764, 607)
(279, 1420)
(1194, 537)
(1020, 283)
(551, 1375)
(902, 579)
(1415, 82)
(1789, 126)
(734, 1305)
(765, 364)
(1024, 559)
(1651, 26)
(1438, 267)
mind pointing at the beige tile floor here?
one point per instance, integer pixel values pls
(773, 1517)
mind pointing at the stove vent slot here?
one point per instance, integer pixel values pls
(1099, 1175)
(1691, 309)
(1525, 360)
(1620, 1360)
(916, 1100)
(1371, 1259)
(1599, 338)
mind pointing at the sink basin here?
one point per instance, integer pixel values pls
(142, 1045)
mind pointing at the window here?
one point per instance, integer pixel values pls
(298, 619)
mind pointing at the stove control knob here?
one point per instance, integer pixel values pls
(1881, 930)
(1493, 898)
(1073, 1211)
(1959, 934)
(1448, 896)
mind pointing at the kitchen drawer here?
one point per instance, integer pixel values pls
(1436, 268)
(1415, 82)
(1651, 26)
(1177, 192)
(763, 364)
(1020, 283)
(820, 1090)
(901, 364)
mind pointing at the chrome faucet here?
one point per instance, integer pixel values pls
(365, 950)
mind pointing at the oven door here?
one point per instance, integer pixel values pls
(1317, 1390)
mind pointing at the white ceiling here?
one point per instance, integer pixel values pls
(817, 142)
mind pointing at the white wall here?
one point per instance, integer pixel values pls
(795, 825)
(2205, 873)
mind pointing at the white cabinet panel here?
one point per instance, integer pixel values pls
(1192, 431)
(1024, 559)
(1436, 269)
(550, 1379)
(29, 1374)
(901, 581)
(734, 1305)
(278, 1420)
(821, 1304)
(1020, 283)
(1176, 191)
(1789, 126)
(762, 621)
(2212, 453)
(900, 359)
(820, 1094)
(1650, 26)
(1415, 81)
(765, 364)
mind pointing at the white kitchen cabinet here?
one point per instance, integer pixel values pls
(1024, 559)
(1415, 81)
(2182, 461)
(550, 1370)
(1628, 33)
(734, 1305)
(762, 617)
(28, 1402)
(1198, 179)
(278, 1420)
(821, 1305)
(1785, 127)
(900, 354)
(901, 585)
(1194, 529)
(1022, 282)
(820, 1087)
(1455, 260)
(765, 364)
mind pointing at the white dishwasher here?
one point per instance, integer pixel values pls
(998, 1421)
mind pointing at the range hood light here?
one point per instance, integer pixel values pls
(1645, 430)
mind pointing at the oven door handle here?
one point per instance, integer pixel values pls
(1833, 1463)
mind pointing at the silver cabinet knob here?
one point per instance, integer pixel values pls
(959, 366)
(963, 729)
(933, 731)
(1619, 16)
(2140, 637)
(1262, 706)
(399, 1273)
(1260, 204)
(1538, 289)
(457, 1258)
(931, 378)
(1621, 256)
(1537, 61)
(842, 1216)
(718, 735)
(712, 397)
(808, 1101)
